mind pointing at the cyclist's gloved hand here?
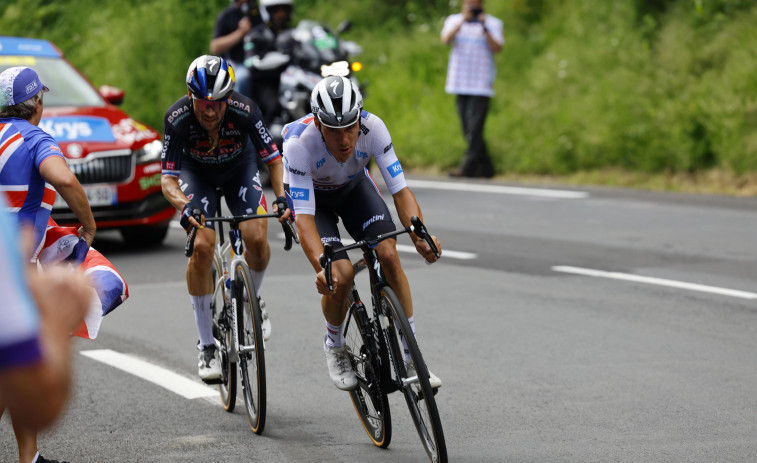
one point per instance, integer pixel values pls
(188, 212)
(281, 206)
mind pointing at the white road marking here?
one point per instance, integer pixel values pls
(655, 281)
(167, 379)
(501, 189)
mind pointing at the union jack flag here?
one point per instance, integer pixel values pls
(63, 245)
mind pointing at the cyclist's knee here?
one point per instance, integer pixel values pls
(390, 260)
(204, 247)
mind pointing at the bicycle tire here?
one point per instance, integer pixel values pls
(418, 395)
(222, 332)
(368, 398)
(251, 363)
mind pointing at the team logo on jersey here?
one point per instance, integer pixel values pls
(320, 163)
(361, 154)
(395, 169)
(300, 194)
(297, 172)
(388, 147)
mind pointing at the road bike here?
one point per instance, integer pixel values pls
(237, 316)
(376, 351)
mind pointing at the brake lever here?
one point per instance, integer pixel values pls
(421, 232)
(325, 261)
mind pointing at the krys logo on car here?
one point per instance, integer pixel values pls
(77, 128)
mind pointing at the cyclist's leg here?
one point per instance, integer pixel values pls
(244, 195)
(199, 279)
(334, 306)
(366, 214)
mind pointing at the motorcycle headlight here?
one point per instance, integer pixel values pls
(150, 152)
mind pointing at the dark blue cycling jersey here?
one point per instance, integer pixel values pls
(242, 134)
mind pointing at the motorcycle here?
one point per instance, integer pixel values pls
(307, 54)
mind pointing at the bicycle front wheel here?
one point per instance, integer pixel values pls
(369, 398)
(222, 332)
(251, 348)
(417, 390)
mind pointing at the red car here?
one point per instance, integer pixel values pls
(115, 158)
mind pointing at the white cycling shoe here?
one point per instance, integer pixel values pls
(340, 369)
(433, 380)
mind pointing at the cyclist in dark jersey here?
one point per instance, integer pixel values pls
(212, 138)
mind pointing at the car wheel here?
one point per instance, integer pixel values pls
(145, 235)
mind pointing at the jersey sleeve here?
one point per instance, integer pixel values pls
(44, 148)
(300, 178)
(172, 149)
(386, 159)
(261, 138)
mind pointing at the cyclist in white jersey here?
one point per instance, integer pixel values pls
(326, 155)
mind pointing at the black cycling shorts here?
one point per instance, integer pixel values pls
(361, 208)
(240, 183)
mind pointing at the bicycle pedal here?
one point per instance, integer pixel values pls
(213, 381)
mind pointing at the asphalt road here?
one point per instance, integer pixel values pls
(593, 325)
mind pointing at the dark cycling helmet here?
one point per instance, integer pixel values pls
(210, 78)
(336, 102)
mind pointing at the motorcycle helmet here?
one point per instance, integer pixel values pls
(270, 5)
(210, 78)
(336, 102)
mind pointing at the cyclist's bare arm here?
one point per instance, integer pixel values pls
(310, 241)
(277, 183)
(407, 206)
(170, 186)
(55, 171)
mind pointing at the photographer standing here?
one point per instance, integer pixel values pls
(232, 25)
(475, 37)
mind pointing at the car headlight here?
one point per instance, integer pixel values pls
(150, 152)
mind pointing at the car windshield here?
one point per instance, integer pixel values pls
(67, 87)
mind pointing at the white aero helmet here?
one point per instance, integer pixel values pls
(336, 102)
(210, 78)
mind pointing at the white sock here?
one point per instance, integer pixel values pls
(203, 318)
(36, 456)
(334, 335)
(257, 279)
(411, 321)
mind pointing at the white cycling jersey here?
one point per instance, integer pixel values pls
(309, 166)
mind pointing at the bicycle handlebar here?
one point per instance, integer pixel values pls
(417, 227)
(290, 233)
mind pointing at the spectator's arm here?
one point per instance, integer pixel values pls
(55, 171)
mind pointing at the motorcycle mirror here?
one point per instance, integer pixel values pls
(344, 26)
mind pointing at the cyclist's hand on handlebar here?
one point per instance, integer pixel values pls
(281, 207)
(425, 250)
(191, 217)
(323, 287)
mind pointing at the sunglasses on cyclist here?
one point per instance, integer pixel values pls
(204, 105)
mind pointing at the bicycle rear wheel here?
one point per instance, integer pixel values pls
(418, 393)
(251, 348)
(369, 398)
(222, 332)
